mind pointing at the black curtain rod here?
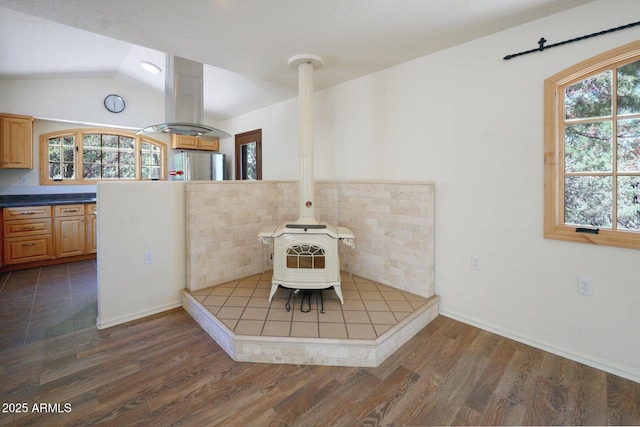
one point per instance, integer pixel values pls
(542, 40)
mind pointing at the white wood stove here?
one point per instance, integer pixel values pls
(305, 253)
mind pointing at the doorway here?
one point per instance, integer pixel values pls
(249, 155)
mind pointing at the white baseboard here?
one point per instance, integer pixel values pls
(584, 359)
(104, 324)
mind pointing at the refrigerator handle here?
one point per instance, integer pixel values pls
(187, 168)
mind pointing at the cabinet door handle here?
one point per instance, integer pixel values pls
(29, 228)
(69, 210)
(27, 212)
(28, 244)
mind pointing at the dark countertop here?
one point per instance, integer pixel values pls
(46, 199)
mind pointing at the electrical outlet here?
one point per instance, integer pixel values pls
(475, 263)
(585, 286)
(148, 257)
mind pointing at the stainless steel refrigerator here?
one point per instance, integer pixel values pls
(198, 166)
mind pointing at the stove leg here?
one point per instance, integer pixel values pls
(339, 292)
(274, 288)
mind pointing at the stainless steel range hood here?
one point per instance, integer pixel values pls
(183, 103)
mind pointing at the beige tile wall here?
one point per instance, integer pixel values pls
(392, 221)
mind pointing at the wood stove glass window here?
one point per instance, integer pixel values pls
(305, 256)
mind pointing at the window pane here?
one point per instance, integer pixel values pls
(92, 171)
(588, 147)
(629, 202)
(249, 160)
(629, 145)
(110, 156)
(69, 170)
(110, 141)
(55, 154)
(69, 141)
(146, 172)
(155, 172)
(55, 171)
(127, 172)
(92, 156)
(68, 154)
(109, 171)
(588, 201)
(126, 143)
(92, 140)
(589, 98)
(629, 88)
(127, 158)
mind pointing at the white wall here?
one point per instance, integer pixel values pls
(133, 218)
(77, 103)
(472, 123)
(82, 100)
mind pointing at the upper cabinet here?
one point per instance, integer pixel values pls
(194, 143)
(16, 141)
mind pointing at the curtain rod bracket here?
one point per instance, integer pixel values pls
(541, 43)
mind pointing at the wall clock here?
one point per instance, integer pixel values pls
(114, 103)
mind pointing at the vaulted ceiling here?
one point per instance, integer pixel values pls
(244, 44)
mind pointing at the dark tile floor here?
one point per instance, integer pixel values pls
(46, 302)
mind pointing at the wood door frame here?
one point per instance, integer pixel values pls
(243, 138)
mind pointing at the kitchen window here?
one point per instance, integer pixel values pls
(86, 156)
(592, 150)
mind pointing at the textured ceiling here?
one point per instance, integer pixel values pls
(244, 44)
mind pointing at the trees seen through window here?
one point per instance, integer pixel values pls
(592, 164)
(86, 156)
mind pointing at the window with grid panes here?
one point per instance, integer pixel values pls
(592, 150)
(84, 156)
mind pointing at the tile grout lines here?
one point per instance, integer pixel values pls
(380, 315)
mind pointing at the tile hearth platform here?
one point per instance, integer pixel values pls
(374, 321)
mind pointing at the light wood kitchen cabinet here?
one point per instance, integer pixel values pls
(16, 141)
(40, 235)
(69, 230)
(91, 244)
(194, 143)
(27, 234)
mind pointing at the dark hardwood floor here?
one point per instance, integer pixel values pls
(165, 370)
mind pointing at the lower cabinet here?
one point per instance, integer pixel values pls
(44, 233)
(30, 248)
(69, 228)
(27, 234)
(91, 243)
